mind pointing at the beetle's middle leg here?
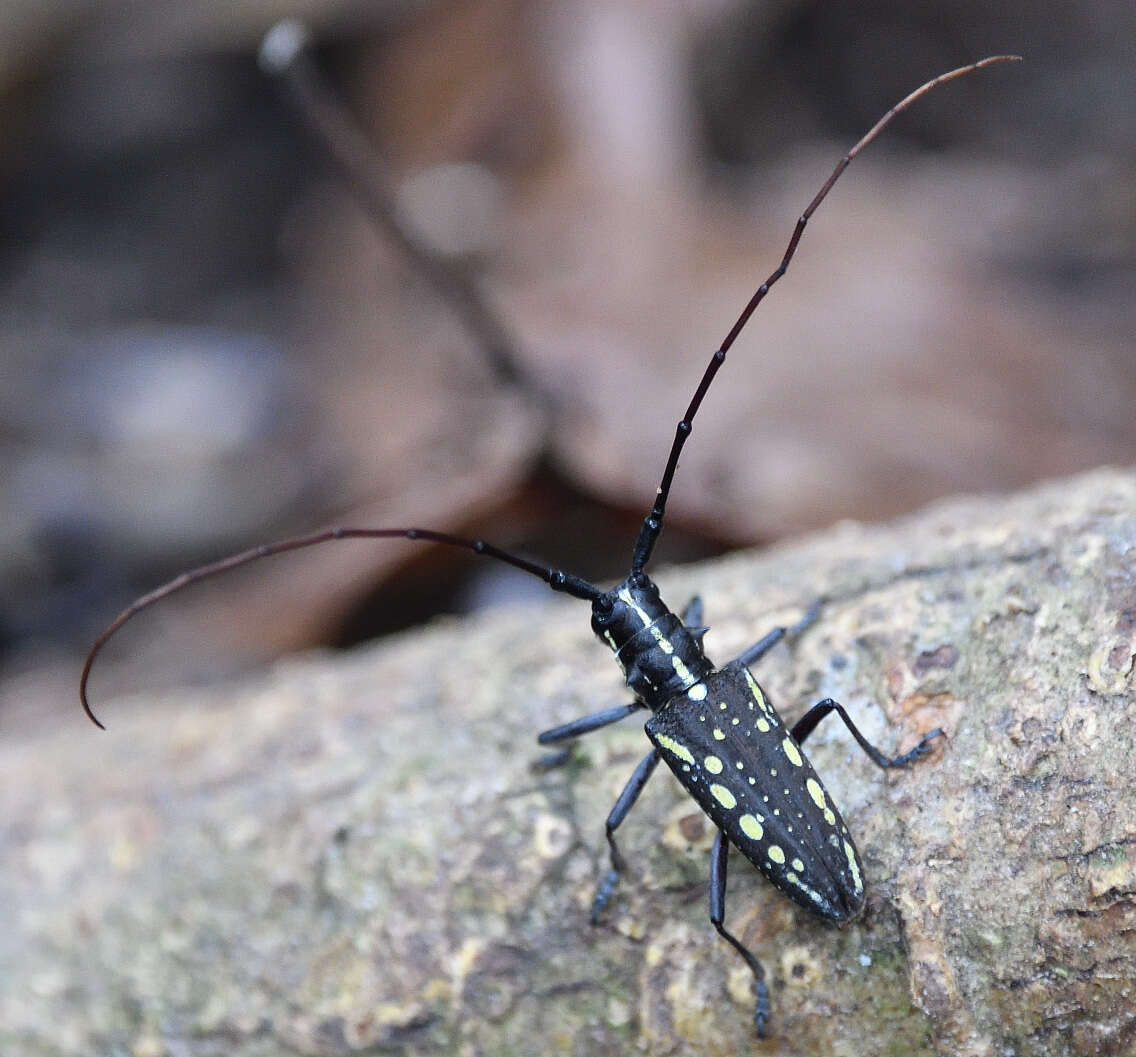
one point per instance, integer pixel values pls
(807, 724)
(623, 805)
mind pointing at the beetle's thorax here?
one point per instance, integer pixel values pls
(659, 656)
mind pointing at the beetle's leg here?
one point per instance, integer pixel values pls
(718, 915)
(623, 805)
(586, 724)
(763, 645)
(807, 723)
(572, 730)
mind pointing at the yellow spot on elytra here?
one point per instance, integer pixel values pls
(723, 706)
(739, 765)
(713, 764)
(854, 866)
(776, 854)
(798, 865)
(812, 893)
(754, 689)
(675, 748)
(751, 827)
(735, 721)
(815, 791)
(719, 735)
(829, 817)
(792, 752)
(763, 725)
(697, 692)
(723, 796)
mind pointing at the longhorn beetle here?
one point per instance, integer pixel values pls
(713, 726)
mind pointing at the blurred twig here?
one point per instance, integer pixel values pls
(284, 54)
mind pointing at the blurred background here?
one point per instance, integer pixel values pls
(205, 343)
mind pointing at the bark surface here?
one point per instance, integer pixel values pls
(354, 854)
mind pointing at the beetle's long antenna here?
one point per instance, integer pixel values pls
(653, 522)
(555, 578)
(284, 54)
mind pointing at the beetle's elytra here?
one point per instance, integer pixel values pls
(713, 726)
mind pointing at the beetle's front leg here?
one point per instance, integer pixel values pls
(584, 725)
(692, 618)
(763, 645)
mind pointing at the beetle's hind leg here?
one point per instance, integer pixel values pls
(718, 916)
(808, 722)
